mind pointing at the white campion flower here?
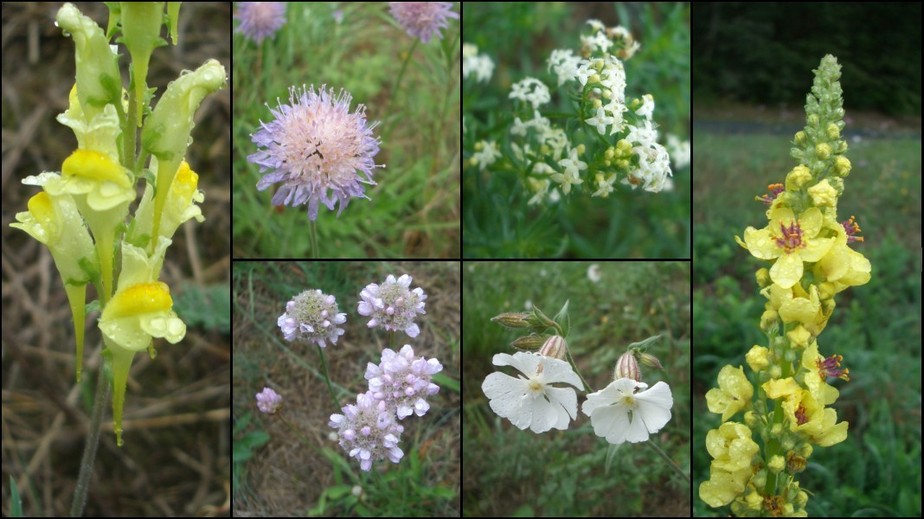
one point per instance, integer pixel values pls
(530, 400)
(628, 411)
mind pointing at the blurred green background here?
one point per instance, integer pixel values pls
(566, 473)
(278, 472)
(414, 211)
(740, 148)
(519, 38)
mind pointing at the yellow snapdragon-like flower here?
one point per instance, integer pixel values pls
(788, 241)
(140, 310)
(56, 222)
(179, 206)
(733, 394)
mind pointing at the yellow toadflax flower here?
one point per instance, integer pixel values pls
(789, 241)
(140, 310)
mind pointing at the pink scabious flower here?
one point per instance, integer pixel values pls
(316, 149)
(268, 401)
(260, 20)
(423, 19)
(393, 305)
(368, 431)
(312, 317)
(402, 381)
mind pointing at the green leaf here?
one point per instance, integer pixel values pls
(92, 306)
(563, 319)
(339, 491)
(451, 384)
(646, 342)
(15, 500)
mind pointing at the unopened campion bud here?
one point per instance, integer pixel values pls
(627, 367)
(512, 320)
(529, 342)
(650, 360)
(555, 347)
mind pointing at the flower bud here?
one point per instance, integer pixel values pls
(798, 177)
(800, 137)
(768, 321)
(799, 336)
(763, 278)
(141, 23)
(529, 342)
(98, 79)
(842, 165)
(758, 358)
(776, 464)
(512, 320)
(651, 361)
(833, 131)
(822, 150)
(555, 347)
(823, 194)
(627, 367)
(794, 462)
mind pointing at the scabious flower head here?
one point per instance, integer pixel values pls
(393, 305)
(628, 411)
(260, 20)
(316, 149)
(312, 316)
(402, 381)
(423, 19)
(268, 401)
(368, 431)
(531, 400)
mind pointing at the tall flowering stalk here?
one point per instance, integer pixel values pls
(780, 408)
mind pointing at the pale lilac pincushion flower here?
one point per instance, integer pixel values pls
(368, 431)
(316, 150)
(423, 19)
(268, 401)
(402, 381)
(260, 20)
(312, 316)
(393, 305)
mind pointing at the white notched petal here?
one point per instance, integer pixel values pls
(654, 406)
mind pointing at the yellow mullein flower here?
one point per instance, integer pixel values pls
(731, 447)
(842, 266)
(140, 310)
(733, 394)
(723, 487)
(180, 206)
(805, 414)
(788, 241)
(819, 369)
(758, 358)
(55, 221)
(797, 305)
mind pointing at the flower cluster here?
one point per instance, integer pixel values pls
(481, 66)
(260, 20)
(542, 396)
(312, 316)
(398, 387)
(423, 20)
(784, 401)
(268, 401)
(82, 213)
(393, 305)
(621, 138)
(317, 150)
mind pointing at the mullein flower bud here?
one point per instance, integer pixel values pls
(823, 194)
(842, 166)
(627, 367)
(758, 358)
(776, 464)
(555, 347)
(763, 278)
(795, 463)
(823, 150)
(798, 177)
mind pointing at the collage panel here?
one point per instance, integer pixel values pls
(576, 389)
(346, 130)
(576, 135)
(346, 388)
(116, 259)
(807, 326)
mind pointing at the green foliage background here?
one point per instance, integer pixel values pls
(759, 52)
(414, 211)
(519, 38)
(575, 473)
(876, 327)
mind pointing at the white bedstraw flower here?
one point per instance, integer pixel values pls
(593, 273)
(564, 64)
(679, 151)
(487, 155)
(393, 305)
(530, 400)
(531, 90)
(479, 65)
(647, 107)
(627, 411)
(600, 121)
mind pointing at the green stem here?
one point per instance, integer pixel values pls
(407, 60)
(313, 236)
(327, 378)
(130, 131)
(297, 432)
(576, 370)
(104, 250)
(89, 450)
(664, 455)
